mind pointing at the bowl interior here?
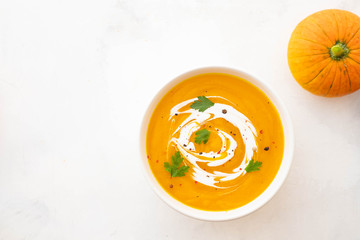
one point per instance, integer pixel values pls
(260, 200)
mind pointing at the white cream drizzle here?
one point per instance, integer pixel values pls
(229, 145)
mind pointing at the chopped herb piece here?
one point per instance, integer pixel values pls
(175, 170)
(253, 166)
(202, 104)
(202, 136)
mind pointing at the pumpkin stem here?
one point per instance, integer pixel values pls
(339, 51)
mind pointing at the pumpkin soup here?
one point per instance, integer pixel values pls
(215, 142)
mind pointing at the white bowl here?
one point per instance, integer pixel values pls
(260, 200)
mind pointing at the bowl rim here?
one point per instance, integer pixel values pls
(264, 197)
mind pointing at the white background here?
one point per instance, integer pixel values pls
(75, 79)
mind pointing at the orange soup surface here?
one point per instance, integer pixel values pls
(215, 142)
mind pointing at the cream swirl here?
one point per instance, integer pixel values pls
(229, 145)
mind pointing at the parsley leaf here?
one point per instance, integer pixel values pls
(202, 104)
(202, 136)
(175, 170)
(253, 166)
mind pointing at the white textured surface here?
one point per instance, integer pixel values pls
(75, 79)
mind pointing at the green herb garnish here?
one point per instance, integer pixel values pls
(202, 104)
(253, 166)
(175, 170)
(202, 136)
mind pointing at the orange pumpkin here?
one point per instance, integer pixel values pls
(324, 53)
